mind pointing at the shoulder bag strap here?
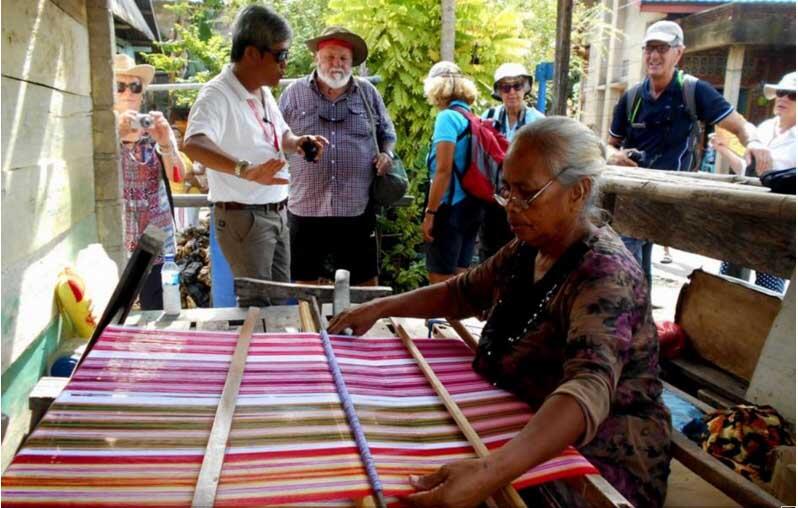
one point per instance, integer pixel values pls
(369, 112)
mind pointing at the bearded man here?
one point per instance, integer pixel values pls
(329, 212)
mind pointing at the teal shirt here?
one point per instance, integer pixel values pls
(450, 124)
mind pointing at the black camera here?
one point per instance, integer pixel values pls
(310, 149)
(638, 156)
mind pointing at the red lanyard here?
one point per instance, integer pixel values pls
(254, 107)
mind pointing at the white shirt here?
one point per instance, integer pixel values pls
(223, 112)
(782, 146)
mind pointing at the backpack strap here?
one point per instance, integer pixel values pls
(688, 82)
(634, 98)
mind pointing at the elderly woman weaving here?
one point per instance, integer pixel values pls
(569, 331)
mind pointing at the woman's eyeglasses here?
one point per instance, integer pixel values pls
(135, 87)
(506, 87)
(505, 196)
(279, 56)
(786, 93)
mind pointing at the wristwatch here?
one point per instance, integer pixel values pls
(241, 166)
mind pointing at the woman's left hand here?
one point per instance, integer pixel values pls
(160, 131)
(459, 485)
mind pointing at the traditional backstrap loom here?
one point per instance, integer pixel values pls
(131, 427)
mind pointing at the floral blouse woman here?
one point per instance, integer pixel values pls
(569, 331)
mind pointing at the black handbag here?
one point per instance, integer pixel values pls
(780, 181)
(389, 188)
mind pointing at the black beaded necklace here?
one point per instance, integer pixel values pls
(524, 303)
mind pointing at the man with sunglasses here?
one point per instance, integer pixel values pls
(655, 124)
(330, 213)
(236, 130)
(511, 84)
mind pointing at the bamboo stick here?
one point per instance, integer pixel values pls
(507, 496)
(464, 334)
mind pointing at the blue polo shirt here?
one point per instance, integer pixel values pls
(661, 127)
(449, 124)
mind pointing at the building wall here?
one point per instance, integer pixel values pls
(48, 195)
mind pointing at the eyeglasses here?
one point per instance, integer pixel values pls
(659, 48)
(505, 197)
(786, 93)
(136, 87)
(506, 87)
(280, 56)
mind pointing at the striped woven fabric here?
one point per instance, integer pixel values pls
(132, 425)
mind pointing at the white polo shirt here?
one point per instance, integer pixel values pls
(782, 146)
(224, 112)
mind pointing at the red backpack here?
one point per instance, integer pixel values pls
(488, 146)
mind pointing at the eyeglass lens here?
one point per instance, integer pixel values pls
(134, 87)
(660, 48)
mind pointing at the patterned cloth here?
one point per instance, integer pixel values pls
(145, 199)
(338, 184)
(742, 436)
(132, 425)
(585, 330)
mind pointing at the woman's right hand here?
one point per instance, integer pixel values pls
(125, 126)
(358, 319)
(426, 227)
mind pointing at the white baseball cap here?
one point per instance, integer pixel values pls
(665, 31)
(786, 83)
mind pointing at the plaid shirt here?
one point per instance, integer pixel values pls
(338, 184)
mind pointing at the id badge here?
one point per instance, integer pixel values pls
(639, 125)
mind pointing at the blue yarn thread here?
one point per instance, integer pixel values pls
(352, 418)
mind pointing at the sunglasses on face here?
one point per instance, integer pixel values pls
(506, 87)
(785, 93)
(280, 56)
(136, 87)
(659, 48)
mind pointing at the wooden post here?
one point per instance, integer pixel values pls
(731, 89)
(562, 57)
(341, 292)
(606, 112)
(448, 26)
(773, 382)
(107, 177)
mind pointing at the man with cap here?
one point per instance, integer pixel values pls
(511, 84)
(329, 210)
(149, 161)
(237, 132)
(654, 124)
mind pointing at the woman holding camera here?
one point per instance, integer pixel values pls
(148, 158)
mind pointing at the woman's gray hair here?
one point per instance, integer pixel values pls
(568, 149)
(259, 26)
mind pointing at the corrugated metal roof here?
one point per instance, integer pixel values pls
(129, 12)
(691, 2)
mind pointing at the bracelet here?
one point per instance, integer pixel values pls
(430, 212)
(162, 151)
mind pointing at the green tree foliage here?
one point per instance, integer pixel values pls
(404, 41)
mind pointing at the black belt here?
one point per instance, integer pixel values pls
(269, 207)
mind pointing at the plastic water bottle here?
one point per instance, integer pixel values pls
(170, 283)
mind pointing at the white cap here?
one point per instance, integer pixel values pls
(665, 31)
(444, 68)
(786, 83)
(510, 70)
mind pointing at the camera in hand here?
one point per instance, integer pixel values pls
(310, 149)
(638, 156)
(142, 121)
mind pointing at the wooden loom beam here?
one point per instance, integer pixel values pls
(211, 469)
(506, 496)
